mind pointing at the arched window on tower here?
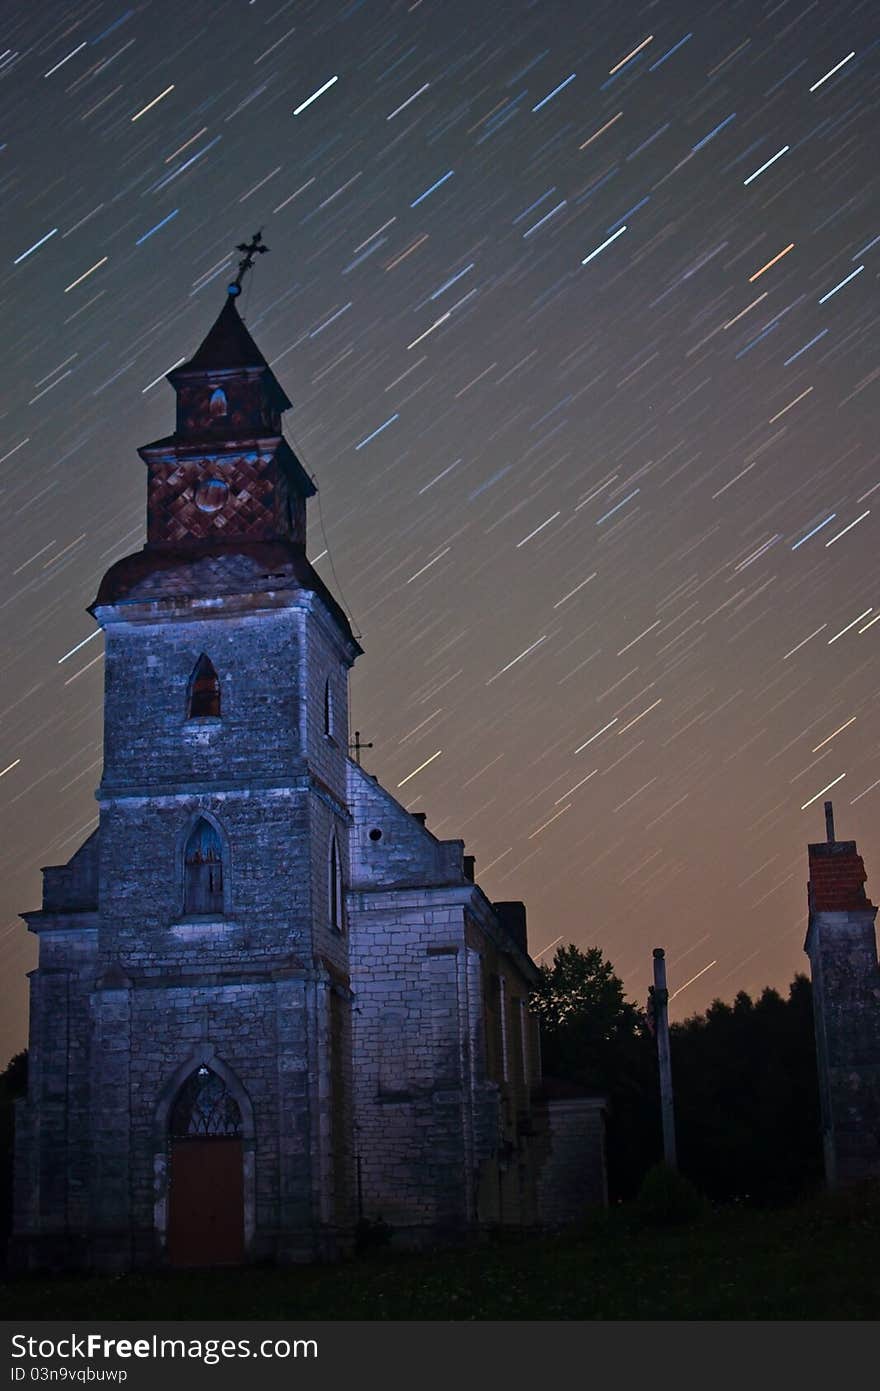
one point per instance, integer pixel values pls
(204, 691)
(335, 886)
(203, 870)
(218, 406)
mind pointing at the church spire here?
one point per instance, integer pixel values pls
(226, 474)
(226, 494)
(228, 346)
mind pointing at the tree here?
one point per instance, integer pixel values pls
(746, 1091)
(13, 1084)
(595, 1038)
(746, 1095)
(585, 1018)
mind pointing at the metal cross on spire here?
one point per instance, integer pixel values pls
(255, 248)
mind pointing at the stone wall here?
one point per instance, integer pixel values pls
(54, 1121)
(842, 946)
(390, 847)
(149, 743)
(74, 886)
(444, 1045)
(410, 1073)
(570, 1153)
(846, 1004)
(266, 880)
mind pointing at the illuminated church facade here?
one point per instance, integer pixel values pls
(271, 1008)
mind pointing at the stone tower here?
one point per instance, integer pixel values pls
(204, 917)
(842, 948)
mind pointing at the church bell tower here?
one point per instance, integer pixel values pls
(201, 932)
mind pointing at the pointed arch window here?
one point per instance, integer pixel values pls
(204, 1108)
(335, 885)
(204, 691)
(203, 870)
(218, 406)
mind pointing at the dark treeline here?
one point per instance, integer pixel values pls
(13, 1083)
(744, 1075)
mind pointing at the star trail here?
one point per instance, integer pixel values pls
(577, 306)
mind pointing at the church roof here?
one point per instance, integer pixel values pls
(228, 346)
(216, 571)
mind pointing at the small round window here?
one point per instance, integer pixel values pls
(375, 834)
(211, 494)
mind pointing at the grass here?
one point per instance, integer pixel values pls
(814, 1261)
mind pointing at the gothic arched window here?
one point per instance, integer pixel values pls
(204, 691)
(203, 870)
(218, 405)
(335, 885)
(204, 1108)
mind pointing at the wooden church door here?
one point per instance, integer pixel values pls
(206, 1189)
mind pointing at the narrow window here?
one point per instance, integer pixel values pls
(490, 1020)
(502, 1010)
(335, 886)
(524, 1040)
(203, 869)
(328, 708)
(218, 405)
(204, 691)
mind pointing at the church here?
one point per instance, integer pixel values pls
(272, 1010)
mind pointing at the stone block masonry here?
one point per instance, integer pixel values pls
(842, 946)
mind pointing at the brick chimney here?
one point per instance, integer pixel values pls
(837, 877)
(512, 917)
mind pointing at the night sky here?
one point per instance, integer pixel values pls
(576, 303)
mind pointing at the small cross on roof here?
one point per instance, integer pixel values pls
(255, 248)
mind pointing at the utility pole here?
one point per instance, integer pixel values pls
(660, 1001)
